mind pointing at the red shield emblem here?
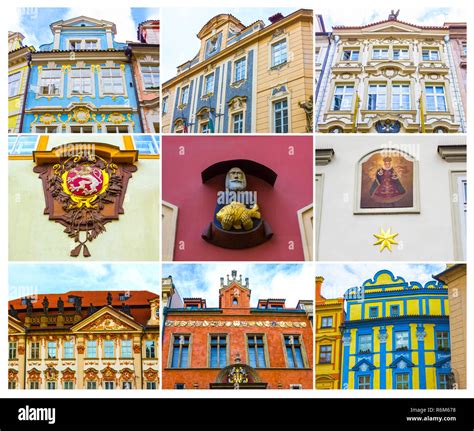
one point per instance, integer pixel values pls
(84, 180)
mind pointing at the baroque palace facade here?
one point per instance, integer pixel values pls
(245, 79)
(84, 340)
(86, 82)
(234, 345)
(389, 77)
(396, 335)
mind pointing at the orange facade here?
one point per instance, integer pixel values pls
(286, 350)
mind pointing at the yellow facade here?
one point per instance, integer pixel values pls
(328, 336)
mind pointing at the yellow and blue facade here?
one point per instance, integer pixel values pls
(396, 335)
(82, 82)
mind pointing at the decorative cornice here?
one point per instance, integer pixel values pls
(453, 153)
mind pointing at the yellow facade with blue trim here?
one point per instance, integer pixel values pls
(396, 335)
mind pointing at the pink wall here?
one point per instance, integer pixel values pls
(293, 190)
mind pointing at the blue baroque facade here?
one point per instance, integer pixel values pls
(82, 82)
(396, 335)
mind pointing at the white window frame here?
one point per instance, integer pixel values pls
(70, 92)
(345, 94)
(102, 78)
(164, 105)
(435, 96)
(242, 121)
(383, 53)
(60, 80)
(207, 78)
(351, 55)
(181, 95)
(234, 69)
(18, 81)
(431, 52)
(272, 58)
(401, 49)
(143, 72)
(83, 43)
(377, 93)
(402, 86)
(46, 128)
(274, 112)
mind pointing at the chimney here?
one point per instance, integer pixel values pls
(275, 18)
(319, 282)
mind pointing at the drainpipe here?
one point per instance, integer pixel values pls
(23, 108)
(454, 80)
(128, 53)
(323, 67)
(332, 48)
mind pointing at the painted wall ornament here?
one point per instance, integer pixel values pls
(387, 182)
(385, 239)
(237, 222)
(84, 187)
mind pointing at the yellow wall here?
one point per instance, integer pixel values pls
(15, 104)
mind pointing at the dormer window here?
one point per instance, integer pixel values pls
(235, 301)
(74, 45)
(90, 44)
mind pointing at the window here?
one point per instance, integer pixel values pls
(401, 97)
(363, 382)
(12, 385)
(256, 351)
(108, 385)
(280, 116)
(151, 385)
(238, 122)
(377, 97)
(127, 349)
(350, 55)
(74, 45)
(442, 340)
(52, 353)
(35, 350)
(343, 98)
(112, 82)
(443, 381)
(91, 385)
(185, 95)
(109, 349)
(81, 81)
(180, 354)
(34, 385)
(394, 310)
(401, 340)
(150, 351)
(296, 386)
(326, 322)
(12, 351)
(90, 44)
(14, 81)
(50, 82)
(435, 98)
(464, 48)
(218, 351)
(68, 348)
(400, 54)
(117, 129)
(402, 381)
(209, 84)
(81, 129)
(165, 105)
(279, 53)
(204, 127)
(91, 349)
(179, 386)
(151, 77)
(146, 144)
(430, 55)
(68, 385)
(240, 69)
(365, 343)
(380, 54)
(126, 385)
(294, 354)
(46, 129)
(325, 354)
(50, 385)
(373, 311)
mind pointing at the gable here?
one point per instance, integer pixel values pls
(107, 319)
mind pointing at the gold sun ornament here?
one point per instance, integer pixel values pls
(385, 239)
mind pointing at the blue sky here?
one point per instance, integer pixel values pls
(290, 281)
(34, 23)
(184, 43)
(414, 15)
(29, 279)
(339, 277)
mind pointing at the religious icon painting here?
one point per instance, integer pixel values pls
(387, 182)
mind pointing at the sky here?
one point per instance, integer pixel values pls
(415, 15)
(34, 23)
(339, 277)
(30, 279)
(185, 44)
(289, 281)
